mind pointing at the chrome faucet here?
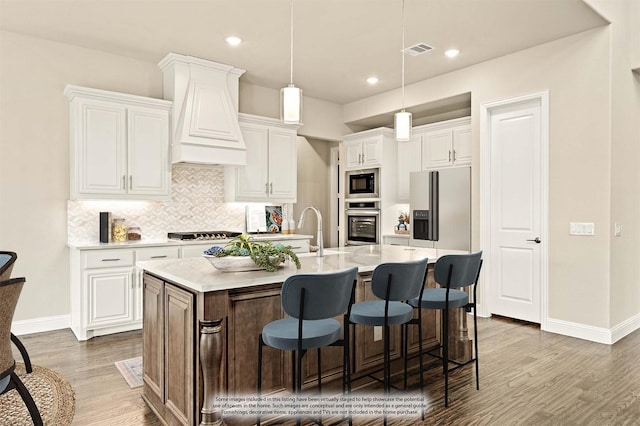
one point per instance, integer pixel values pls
(319, 237)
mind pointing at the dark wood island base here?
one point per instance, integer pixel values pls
(202, 345)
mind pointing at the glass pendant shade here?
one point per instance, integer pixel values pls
(402, 124)
(291, 104)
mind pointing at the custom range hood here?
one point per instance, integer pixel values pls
(205, 110)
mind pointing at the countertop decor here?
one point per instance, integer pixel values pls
(242, 253)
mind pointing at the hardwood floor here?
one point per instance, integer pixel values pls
(527, 377)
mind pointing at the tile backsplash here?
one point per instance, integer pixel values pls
(197, 204)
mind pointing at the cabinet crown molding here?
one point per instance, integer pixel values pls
(71, 92)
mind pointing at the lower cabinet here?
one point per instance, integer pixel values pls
(110, 297)
(168, 341)
(106, 289)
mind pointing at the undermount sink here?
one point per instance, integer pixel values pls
(326, 253)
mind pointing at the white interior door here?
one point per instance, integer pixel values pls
(517, 209)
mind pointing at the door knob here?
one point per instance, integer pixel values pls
(536, 240)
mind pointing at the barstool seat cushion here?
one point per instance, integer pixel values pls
(372, 313)
(435, 298)
(283, 334)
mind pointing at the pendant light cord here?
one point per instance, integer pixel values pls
(401, 52)
(291, 80)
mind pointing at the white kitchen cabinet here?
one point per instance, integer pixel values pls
(271, 171)
(363, 151)
(119, 145)
(447, 144)
(433, 146)
(106, 289)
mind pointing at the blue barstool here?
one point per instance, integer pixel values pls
(452, 272)
(311, 301)
(393, 283)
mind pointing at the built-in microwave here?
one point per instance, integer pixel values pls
(363, 184)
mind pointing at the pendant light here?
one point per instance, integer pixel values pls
(402, 119)
(291, 96)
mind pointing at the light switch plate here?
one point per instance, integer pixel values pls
(617, 229)
(582, 228)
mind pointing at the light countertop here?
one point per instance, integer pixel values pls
(92, 245)
(199, 275)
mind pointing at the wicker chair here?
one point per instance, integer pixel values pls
(7, 260)
(9, 294)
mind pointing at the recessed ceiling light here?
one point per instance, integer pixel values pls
(372, 80)
(452, 53)
(233, 41)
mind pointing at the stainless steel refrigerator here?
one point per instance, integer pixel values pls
(441, 208)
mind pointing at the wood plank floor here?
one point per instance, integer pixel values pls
(527, 377)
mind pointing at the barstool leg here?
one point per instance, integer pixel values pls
(405, 345)
(420, 356)
(445, 356)
(319, 382)
(387, 375)
(260, 343)
(475, 338)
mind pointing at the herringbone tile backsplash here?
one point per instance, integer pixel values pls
(197, 204)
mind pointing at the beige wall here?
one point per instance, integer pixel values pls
(625, 155)
(575, 71)
(322, 119)
(34, 153)
(313, 190)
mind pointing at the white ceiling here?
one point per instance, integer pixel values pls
(338, 43)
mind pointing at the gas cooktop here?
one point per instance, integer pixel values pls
(208, 235)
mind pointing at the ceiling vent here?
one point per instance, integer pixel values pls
(417, 49)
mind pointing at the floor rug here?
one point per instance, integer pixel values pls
(51, 392)
(131, 370)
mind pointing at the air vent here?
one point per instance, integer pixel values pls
(417, 49)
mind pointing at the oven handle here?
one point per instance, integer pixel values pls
(362, 212)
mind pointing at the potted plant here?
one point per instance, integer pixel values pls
(244, 254)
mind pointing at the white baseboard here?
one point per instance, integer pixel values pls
(591, 333)
(39, 325)
(625, 328)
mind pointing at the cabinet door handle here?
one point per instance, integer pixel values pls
(266, 188)
(449, 155)
(110, 260)
(124, 181)
(454, 155)
(271, 188)
(159, 257)
(130, 181)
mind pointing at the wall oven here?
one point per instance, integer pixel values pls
(363, 223)
(363, 184)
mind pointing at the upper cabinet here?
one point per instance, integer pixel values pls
(119, 145)
(433, 146)
(363, 151)
(447, 144)
(271, 171)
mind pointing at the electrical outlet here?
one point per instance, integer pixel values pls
(582, 228)
(377, 333)
(617, 229)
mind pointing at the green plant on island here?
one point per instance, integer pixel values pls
(265, 254)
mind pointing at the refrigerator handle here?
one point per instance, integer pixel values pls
(434, 197)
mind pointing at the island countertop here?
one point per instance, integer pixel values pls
(199, 275)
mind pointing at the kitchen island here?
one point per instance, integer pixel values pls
(201, 325)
